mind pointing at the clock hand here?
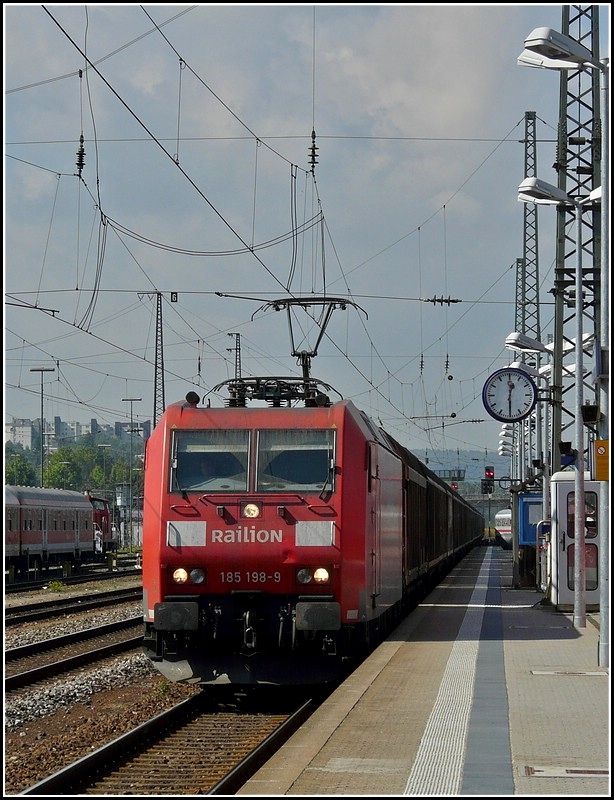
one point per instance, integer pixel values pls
(511, 386)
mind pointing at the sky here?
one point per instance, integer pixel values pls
(197, 182)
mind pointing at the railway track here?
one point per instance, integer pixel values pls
(33, 663)
(73, 580)
(16, 615)
(195, 747)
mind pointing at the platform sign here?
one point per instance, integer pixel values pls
(602, 460)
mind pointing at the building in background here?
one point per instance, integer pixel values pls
(23, 431)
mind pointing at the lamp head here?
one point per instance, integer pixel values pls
(529, 58)
(534, 190)
(534, 373)
(524, 343)
(552, 44)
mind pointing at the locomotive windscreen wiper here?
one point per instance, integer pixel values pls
(328, 483)
(176, 485)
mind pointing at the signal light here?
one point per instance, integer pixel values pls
(488, 486)
(489, 473)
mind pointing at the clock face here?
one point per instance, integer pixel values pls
(509, 395)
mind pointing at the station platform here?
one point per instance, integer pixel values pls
(482, 690)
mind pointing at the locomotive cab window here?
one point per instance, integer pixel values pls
(210, 461)
(295, 460)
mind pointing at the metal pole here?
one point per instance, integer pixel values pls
(42, 424)
(603, 379)
(514, 490)
(130, 400)
(579, 607)
(42, 430)
(544, 582)
(546, 462)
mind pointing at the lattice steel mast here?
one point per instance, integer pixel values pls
(527, 291)
(158, 400)
(578, 164)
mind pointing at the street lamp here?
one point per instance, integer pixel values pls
(550, 49)
(533, 190)
(104, 466)
(130, 400)
(64, 464)
(532, 371)
(42, 425)
(535, 373)
(524, 344)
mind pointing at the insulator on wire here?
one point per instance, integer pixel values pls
(313, 159)
(80, 156)
(441, 300)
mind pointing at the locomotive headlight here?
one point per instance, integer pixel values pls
(304, 575)
(321, 575)
(197, 576)
(251, 510)
(318, 575)
(180, 575)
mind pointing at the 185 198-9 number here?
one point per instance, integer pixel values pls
(249, 577)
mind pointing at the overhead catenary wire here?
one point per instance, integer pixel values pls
(388, 372)
(164, 150)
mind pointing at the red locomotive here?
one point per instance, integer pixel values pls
(282, 543)
(43, 527)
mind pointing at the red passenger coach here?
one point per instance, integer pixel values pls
(280, 543)
(43, 527)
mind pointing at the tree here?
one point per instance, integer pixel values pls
(17, 469)
(61, 471)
